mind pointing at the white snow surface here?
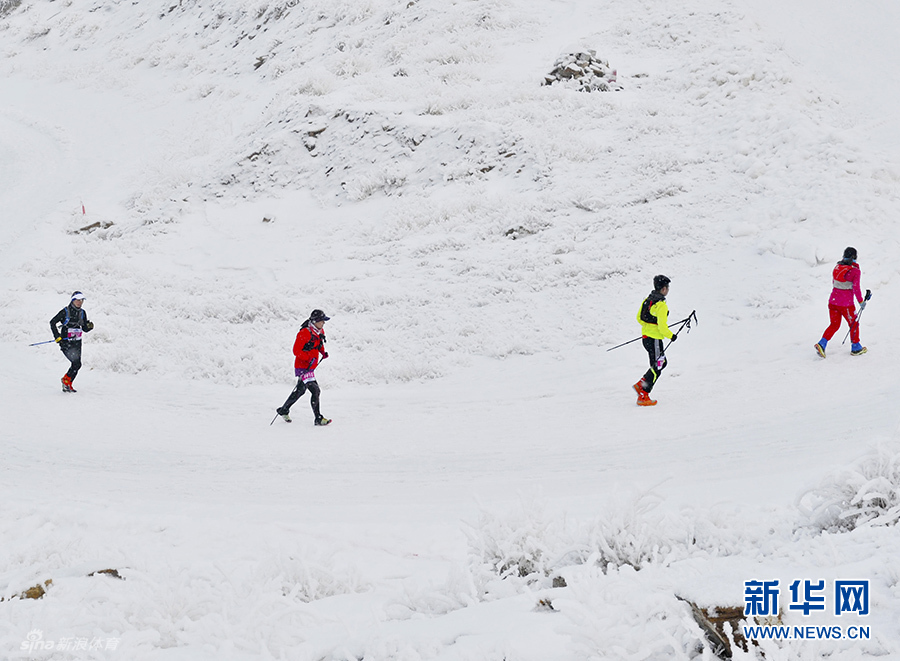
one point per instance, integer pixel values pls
(480, 240)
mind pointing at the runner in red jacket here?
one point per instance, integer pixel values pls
(845, 281)
(310, 344)
(309, 350)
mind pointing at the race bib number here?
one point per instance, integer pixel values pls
(306, 375)
(74, 334)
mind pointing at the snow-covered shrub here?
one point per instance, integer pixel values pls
(515, 548)
(636, 533)
(307, 578)
(864, 494)
(529, 549)
(457, 592)
(631, 535)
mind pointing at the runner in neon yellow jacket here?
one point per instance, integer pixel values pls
(654, 317)
(654, 320)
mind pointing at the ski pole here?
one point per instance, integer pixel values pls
(39, 343)
(862, 307)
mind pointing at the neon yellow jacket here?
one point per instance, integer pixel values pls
(654, 307)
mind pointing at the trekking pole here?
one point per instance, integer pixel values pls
(39, 343)
(686, 323)
(273, 420)
(862, 306)
(686, 320)
(624, 343)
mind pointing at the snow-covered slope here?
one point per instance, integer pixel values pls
(480, 239)
(711, 148)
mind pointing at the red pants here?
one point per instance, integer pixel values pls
(838, 313)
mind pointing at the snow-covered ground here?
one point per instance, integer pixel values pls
(480, 240)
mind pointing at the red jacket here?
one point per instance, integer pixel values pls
(308, 346)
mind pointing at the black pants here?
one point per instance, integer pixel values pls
(72, 351)
(298, 392)
(657, 361)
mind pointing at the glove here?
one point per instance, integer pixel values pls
(674, 336)
(324, 355)
(868, 295)
(89, 326)
(59, 339)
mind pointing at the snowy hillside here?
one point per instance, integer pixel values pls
(711, 147)
(207, 172)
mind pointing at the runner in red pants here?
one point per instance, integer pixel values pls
(845, 281)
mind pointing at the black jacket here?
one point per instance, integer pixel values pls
(72, 318)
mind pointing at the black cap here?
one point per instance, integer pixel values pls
(660, 281)
(849, 252)
(318, 315)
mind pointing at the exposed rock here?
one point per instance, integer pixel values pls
(34, 592)
(99, 225)
(517, 232)
(545, 606)
(713, 620)
(583, 71)
(7, 6)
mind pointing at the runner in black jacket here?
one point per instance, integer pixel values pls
(67, 327)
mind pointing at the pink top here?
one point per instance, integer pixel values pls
(846, 285)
